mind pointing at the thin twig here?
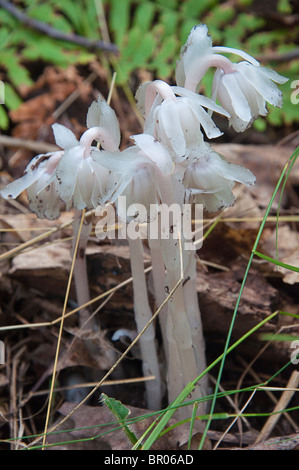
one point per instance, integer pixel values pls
(276, 57)
(235, 419)
(280, 407)
(107, 383)
(60, 332)
(33, 145)
(55, 33)
(40, 237)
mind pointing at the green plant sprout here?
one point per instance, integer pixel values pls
(121, 413)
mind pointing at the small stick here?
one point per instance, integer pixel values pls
(55, 33)
(285, 398)
(35, 146)
(60, 334)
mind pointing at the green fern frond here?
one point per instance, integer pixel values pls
(148, 34)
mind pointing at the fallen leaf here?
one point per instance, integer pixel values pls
(287, 249)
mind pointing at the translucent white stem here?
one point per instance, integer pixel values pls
(80, 270)
(194, 77)
(182, 311)
(160, 87)
(179, 330)
(143, 315)
(194, 316)
(158, 273)
(103, 135)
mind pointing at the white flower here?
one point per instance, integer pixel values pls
(242, 89)
(198, 55)
(70, 175)
(176, 116)
(42, 191)
(81, 181)
(244, 92)
(134, 173)
(100, 114)
(210, 180)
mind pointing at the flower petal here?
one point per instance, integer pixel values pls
(67, 172)
(261, 82)
(121, 162)
(64, 137)
(180, 76)
(232, 172)
(231, 50)
(200, 100)
(101, 175)
(53, 206)
(273, 75)
(140, 97)
(43, 198)
(14, 189)
(100, 114)
(170, 123)
(155, 151)
(210, 128)
(239, 102)
(116, 185)
(194, 55)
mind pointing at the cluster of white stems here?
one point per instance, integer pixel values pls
(170, 163)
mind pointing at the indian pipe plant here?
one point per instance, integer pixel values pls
(170, 163)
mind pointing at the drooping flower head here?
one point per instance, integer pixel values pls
(80, 180)
(210, 179)
(242, 89)
(100, 114)
(42, 191)
(70, 175)
(176, 117)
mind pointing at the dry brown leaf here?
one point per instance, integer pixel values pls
(288, 251)
(290, 442)
(3, 380)
(75, 354)
(24, 227)
(37, 261)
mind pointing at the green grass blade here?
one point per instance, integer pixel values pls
(275, 261)
(161, 422)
